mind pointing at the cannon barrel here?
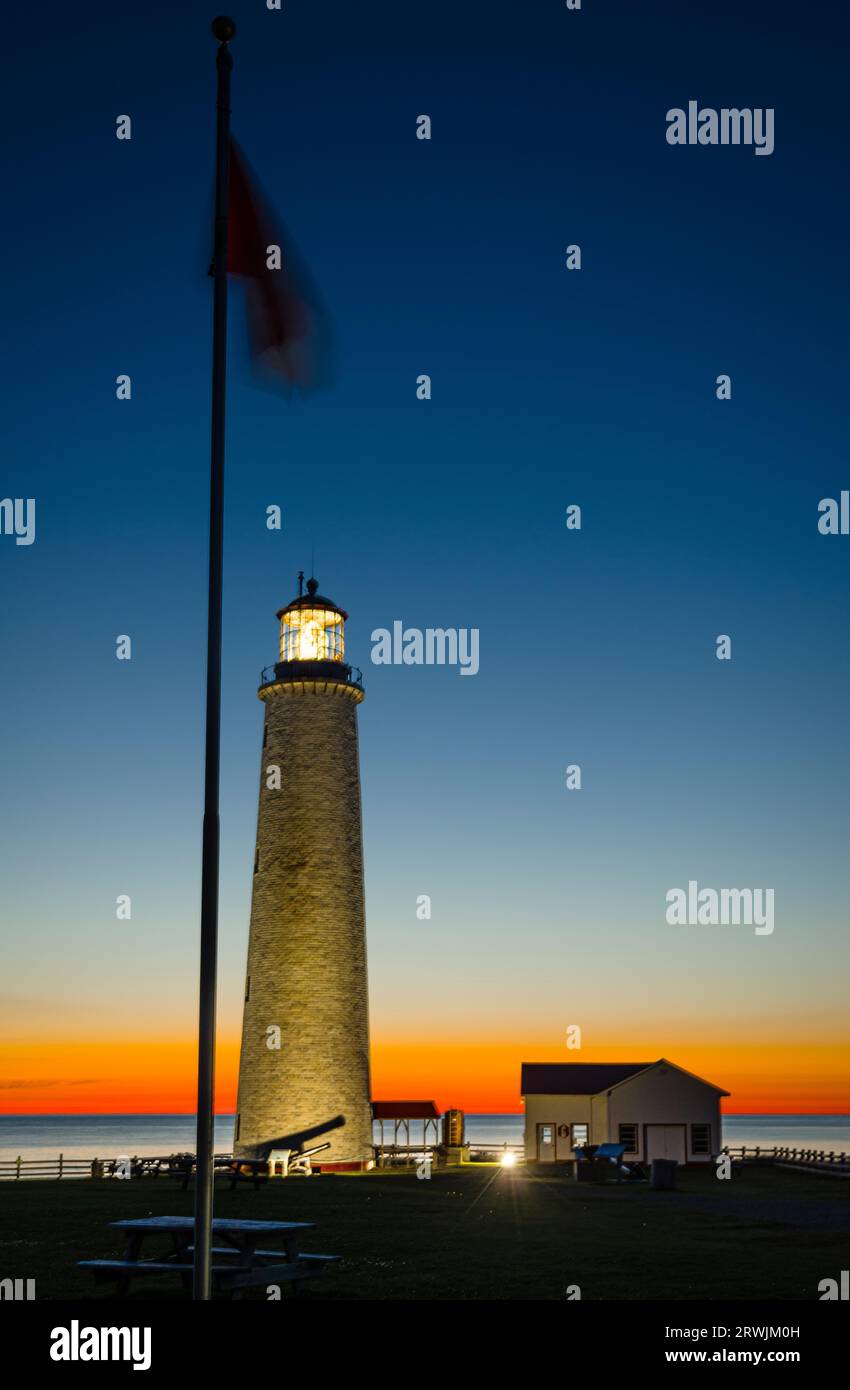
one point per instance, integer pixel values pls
(316, 1149)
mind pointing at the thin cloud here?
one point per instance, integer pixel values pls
(18, 1085)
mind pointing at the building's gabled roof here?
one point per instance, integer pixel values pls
(404, 1110)
(575, 1078)
(665, 1062)
(589, 1078)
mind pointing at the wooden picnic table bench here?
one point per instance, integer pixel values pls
(253, 1265)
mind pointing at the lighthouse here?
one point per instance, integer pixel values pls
(305, 1031)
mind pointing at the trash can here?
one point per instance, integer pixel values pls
(664, 1174)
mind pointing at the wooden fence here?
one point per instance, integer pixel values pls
(388, 1155)
(60, 1167)
(63, 1167)
(824, 1160)
(12, 1169)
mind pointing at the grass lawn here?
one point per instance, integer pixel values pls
(480, 1232)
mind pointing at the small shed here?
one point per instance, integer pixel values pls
(399, 1114)
(653, 1109)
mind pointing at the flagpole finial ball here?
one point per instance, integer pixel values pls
(223, 28)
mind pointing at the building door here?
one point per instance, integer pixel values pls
(666, 1141)
(546, 1143)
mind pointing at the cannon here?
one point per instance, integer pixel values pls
(286, 1163)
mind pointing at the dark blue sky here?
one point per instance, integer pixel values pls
(549, 388)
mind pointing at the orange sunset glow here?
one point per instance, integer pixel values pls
(158, 1077)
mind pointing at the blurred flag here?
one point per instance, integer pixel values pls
(288, 326)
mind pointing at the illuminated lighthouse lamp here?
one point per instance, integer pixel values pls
(311, 628)
(312, 644)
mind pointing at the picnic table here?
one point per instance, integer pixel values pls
(238, 1260)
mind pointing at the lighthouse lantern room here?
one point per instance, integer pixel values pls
(312, 628)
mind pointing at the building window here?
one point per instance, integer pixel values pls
(547, 1134)
(237, 1124)
(629, 1136)
(579, 1136)
(247, 989)
(257, 861)
(265, 734)
(700, 1139)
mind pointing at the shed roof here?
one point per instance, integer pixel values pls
(404, 1110)
(589, 1078)
(575, 1078)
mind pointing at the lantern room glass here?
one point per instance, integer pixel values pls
(312, 634)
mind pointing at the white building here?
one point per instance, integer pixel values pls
(656, 1109)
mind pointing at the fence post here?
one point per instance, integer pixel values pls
(60, 1165)
(18, 1167)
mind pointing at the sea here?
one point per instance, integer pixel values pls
(109, 1136)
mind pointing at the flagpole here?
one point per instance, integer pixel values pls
(223, 29)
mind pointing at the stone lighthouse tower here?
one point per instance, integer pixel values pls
(305, 1031)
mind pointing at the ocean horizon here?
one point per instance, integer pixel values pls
(109, 1136)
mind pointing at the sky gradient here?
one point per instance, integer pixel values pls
(549, 388)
